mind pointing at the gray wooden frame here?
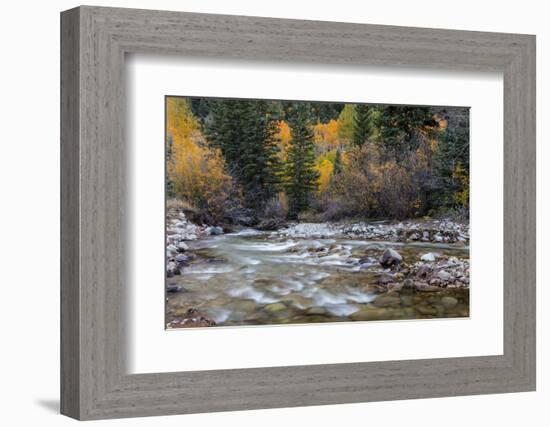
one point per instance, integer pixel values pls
(94, 41)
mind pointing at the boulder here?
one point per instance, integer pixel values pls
(390, 258)
(173, 288)
(271, 224)
(423, 271)
(429, 257)
(182, 258)
(182, 247)
(171, 269)
(215, 231)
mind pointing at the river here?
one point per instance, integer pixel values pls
(255, 278)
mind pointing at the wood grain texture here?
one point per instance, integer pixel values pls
(94, 234)
(70, 264)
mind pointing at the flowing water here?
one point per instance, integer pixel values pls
(252, 278)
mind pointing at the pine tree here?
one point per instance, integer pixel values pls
(362, 124)
(223, 130)
(260, 166)
(245, 131)
(402, 127)
(302, 177)
(452, 160)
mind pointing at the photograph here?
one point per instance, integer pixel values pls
(297, 212)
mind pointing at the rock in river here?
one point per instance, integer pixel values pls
(171, 269)
(181, 258)
(390, 258)
(388, 300)
(429, 257)
(277, 306)
(214, 231)
(182, 247)
(173, 288)
(449, 301)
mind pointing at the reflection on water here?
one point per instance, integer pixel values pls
(248, 278)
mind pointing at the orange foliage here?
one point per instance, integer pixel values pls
(326, 132)
(197, 171)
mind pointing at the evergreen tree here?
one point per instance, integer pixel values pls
(362, 124)
(300, 172)
(245, 133)
(402, 127)
(260, 166)
(223, 130)
(452, 160)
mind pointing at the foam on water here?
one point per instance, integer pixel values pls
(322, 298)
(356, 295)
(341, 309)
(217, 314)
(265, 247)
(245, 232)
(251, 293)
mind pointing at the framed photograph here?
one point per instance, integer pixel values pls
(277, 213)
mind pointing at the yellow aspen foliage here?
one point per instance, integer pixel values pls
(462, 197)
(325, 169)
(196, 170)
(326, 136)
(283, 138)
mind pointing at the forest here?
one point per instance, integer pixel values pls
(262, 163)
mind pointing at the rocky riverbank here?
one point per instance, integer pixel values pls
(180, 231)
(435, 231)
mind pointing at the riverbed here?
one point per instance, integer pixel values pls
(250, 277)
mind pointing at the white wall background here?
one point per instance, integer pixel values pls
(29, 224)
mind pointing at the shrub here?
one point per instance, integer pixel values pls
(373, 185)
